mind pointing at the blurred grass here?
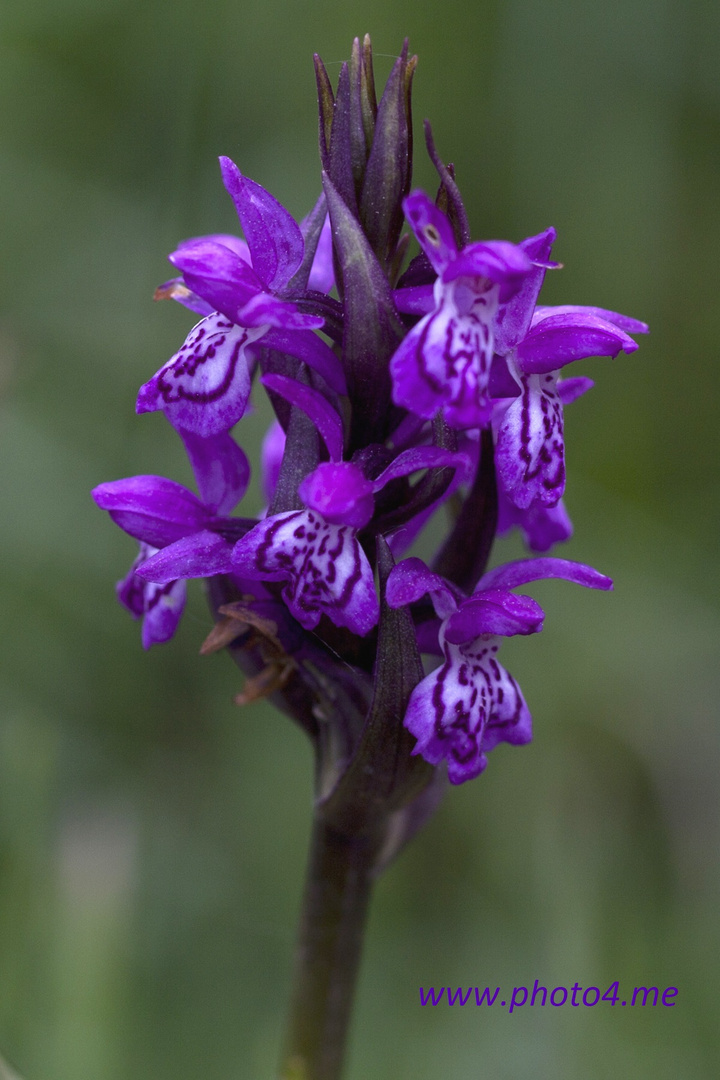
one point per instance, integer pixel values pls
(152, 836)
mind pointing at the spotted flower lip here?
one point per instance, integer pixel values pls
(468, 705)
(530, 453)
(325, 569)
(316, 550)
(204, 388)
(445, 360)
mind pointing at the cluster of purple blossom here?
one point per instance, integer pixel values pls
(448, 373)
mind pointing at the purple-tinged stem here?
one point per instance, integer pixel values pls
(337, 894)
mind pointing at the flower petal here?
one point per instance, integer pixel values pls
(217, 274)
(340, 493)
(327, 571)
(431, 227)
(494, 611)
(204, 388)
(264, 309)
(176, 289)
(463, 709)
(415, 300)
(322, 274)
(153, 509)
(271, 456)
(541, 526)
(625, 322)
(274, 238)
(164, 605)
(200, 555)
(411, 579)
(444, 362)
(513, 321)
(221, 469)
(530, 452)
(556, 340)
(311, 401)
(520, 572)
(160, 606)
(424, 457)
(312, 350)
(498, 261)
(571, 389)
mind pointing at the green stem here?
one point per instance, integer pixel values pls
(335, 904)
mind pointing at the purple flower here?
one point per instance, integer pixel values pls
(178, 540)
(530, 451)
(159, 606)
(537, 342)
(204, 388)
(444, 362)
(316, 550)
(325, 569)
(464, 708)
(243, 289)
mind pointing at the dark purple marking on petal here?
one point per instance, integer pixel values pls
(205, 387)
(164, 605)
(431, 227)
(463, 709)
(444, 362)
(530, 452)
(325, 567)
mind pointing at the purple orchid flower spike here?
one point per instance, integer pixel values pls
(412, 388)
(444, 362)
(471, 703)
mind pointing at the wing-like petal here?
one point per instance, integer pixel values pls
(273, 236)
(153, 509)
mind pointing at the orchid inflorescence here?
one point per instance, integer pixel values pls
(400, 392)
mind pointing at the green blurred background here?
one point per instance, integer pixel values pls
(151, 834)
